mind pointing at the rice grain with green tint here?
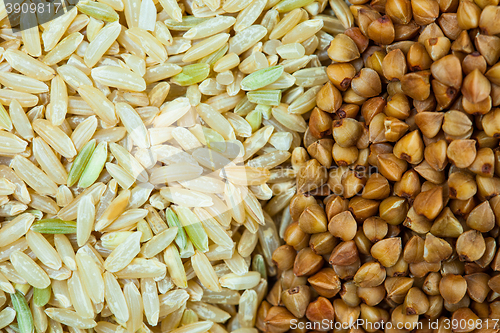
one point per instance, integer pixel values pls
(265, 97)
(193, 227)
(98, 10)
(42, 296)
(261, 78)
(192, 74)
(186, 23)
(23, 313)
(173, 221)
(94, 165)
(54, 226)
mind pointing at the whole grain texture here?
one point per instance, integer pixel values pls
(395, 219)
(145, 159)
